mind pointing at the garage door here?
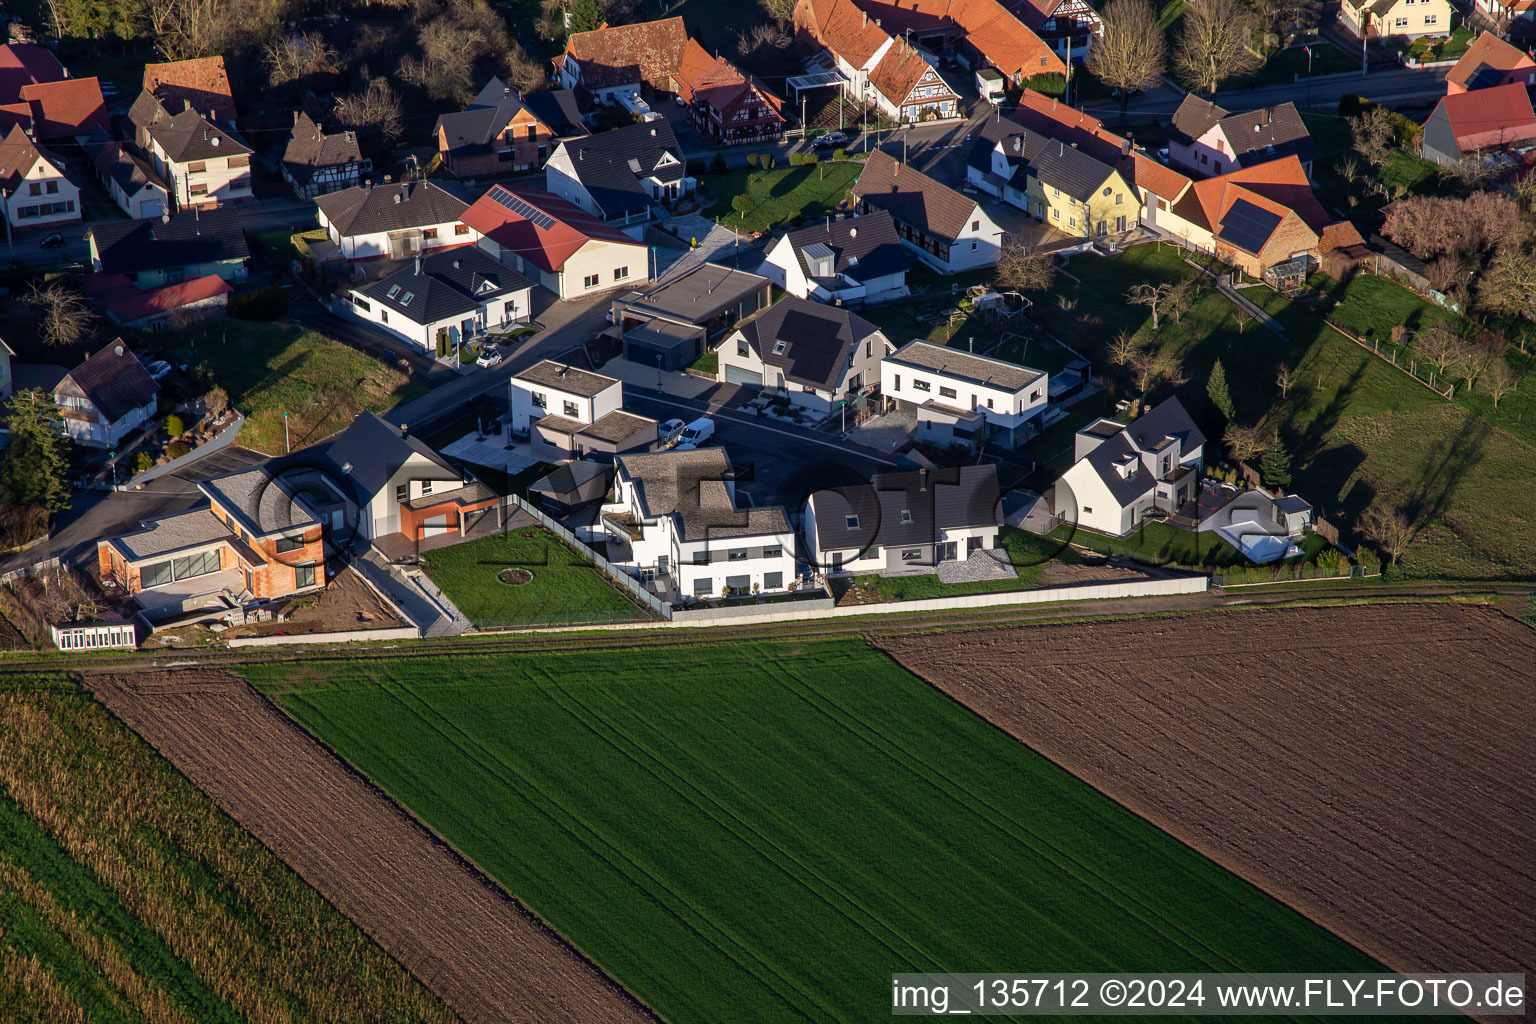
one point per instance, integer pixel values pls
(151, 208)
(434, 527)
(742, 375)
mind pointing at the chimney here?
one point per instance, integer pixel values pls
(922, 479)
(866, 20)
(418, 264)
(186, 105)
(1264, 116)
(1053, 103)
(403, 431)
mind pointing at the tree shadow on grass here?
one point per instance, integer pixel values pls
(1445, 467)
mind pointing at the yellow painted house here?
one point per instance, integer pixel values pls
(1072, 192)
(1378, 19)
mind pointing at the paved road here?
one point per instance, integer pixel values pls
(95, 514)
(1396, 85)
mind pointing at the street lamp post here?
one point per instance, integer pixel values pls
(112, 461)
(287, 444)
(658, 371)
(845, 415)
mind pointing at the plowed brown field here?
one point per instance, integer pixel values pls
(1374, 767)
(484, 954)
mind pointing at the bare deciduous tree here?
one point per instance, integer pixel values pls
(1153, 367)
(64, 317)
(1498, 380)
(770, 36)
(1244, 443)
(1440, 345)
(1024, 268)
(1242, 318)
(373, 109)
(1214, 43)
(523, 71)
(1129, 53)
(1429, 225)
(781, 11)
(1374, 135)
(290, 58)
(1509, 284)
(1387, 528)
(1285, 379)
(1124, 347)
(1475, 357)
(1153, 296)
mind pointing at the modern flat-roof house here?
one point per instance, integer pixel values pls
(816, 356)
(70, 109)
(556, 243)
(669, 324)
(1488, 62)
(1208, 140)
(134, 184)
(855, 261)
(569, 413)
(675, 523)
(315, 162)
(904, 522)
(107, 397)
(960, 398)
(1408, 19)
(394, 221)
(618, 176)
(158, 251)
(36, 191)
(947, 230)
(1465, 124)
(1122, 472)
(728, 107)
(202, 161)
(503, 131)
(449, 295)
(618, 63)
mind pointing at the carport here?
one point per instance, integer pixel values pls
(675, 345)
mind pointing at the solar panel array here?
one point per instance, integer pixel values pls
(522, 208)
(1248, 227)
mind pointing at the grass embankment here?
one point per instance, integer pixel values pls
(780, 817)
(782, 194)
(272, 368)
(1355, 427)
(565, 589)
(130, 897)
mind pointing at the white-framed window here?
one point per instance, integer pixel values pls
(620, 273)
(852, 522)
(920, 385)
(591, 280)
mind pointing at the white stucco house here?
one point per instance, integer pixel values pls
(561, 246)
(568, 412)
(815, 355)
(965, 398)
(33, 186)
(947, 230)
(904, 521)
(618, 176)
(394, 221)
(456, 294)
(674, 522)
(107, 397)
(1122, 472)
(855, 261)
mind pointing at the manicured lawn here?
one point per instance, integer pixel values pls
(1286, 65)
(708, 363)
(735, 831)
(565, 588)
(780, 195)
(272, 368)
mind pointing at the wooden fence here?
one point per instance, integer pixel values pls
(1410, 367)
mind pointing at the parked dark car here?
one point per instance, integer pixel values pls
(53, 242)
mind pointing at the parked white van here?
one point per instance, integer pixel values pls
(695, 434)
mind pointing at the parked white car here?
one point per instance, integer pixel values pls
(489, 357)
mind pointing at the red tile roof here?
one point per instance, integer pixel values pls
(14, 114)
(545, 247)
(1487, 51)
(1283, 182)
(65, 109)
(843, 28)
(24, 64)
(899, 71)
(120, 297)
(204, 81)
(650, 51)
(1162, 181)
(1490, 117)
(1054, 118)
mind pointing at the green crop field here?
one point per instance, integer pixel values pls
(128, 896)
(763, 831)
(565, 588)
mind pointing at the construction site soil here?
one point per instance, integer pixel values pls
(1372, 766)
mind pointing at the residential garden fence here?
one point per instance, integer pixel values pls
(620, 578)
(1389, 354)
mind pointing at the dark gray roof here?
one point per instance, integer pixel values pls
(406, 204)
(698, 294)
(445, 283)
(369, 452)
(691, 485)
(1061, 166)
(116, 162)
(1167, 418)
(863, 248)
(618, 426)
(932, 500)
(1256, 136)
(913, 198)
(471, 130)
(191, 136)
(563, 377)
(810, 342)
(610, 165)
(964, 366)
(310, 148)
(114, 380)
(196, 236)
(1118, 451)
(558, 110)
(259, 499)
